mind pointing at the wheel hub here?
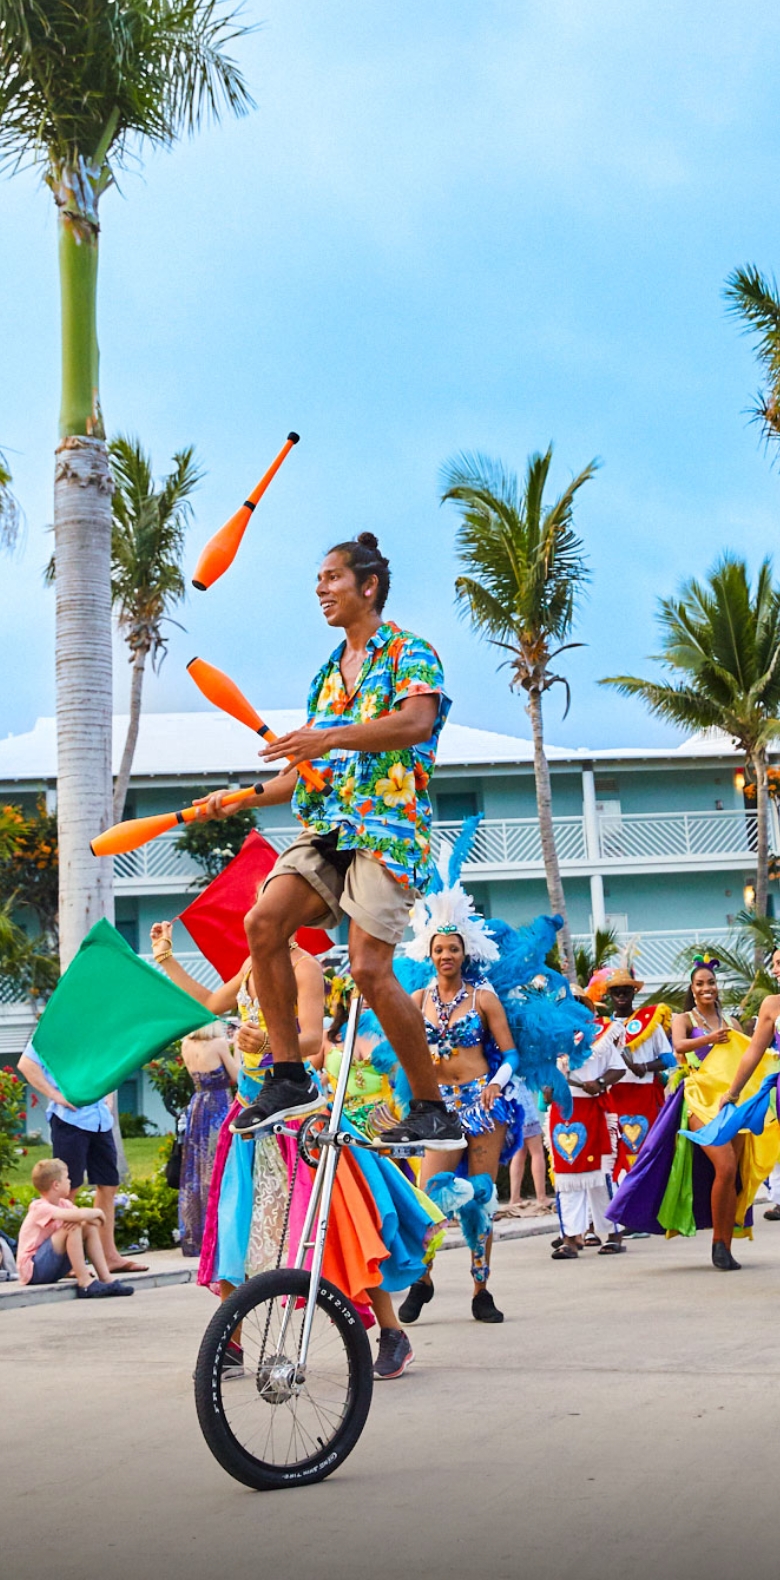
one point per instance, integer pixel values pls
(279, 1379)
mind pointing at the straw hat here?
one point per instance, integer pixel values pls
(608, 977)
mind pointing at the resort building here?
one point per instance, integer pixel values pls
(657, 843)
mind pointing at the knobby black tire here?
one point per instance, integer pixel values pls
(260, 1474)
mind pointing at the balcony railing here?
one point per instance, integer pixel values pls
(665, 837)
(511, 847)
(515, 842)
(656, 955)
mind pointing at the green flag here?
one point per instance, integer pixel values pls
(109, 1014)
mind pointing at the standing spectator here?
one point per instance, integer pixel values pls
(532, 1147)
(208, 1057)
(83, 1139)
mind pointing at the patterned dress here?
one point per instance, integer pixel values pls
(207, 1110)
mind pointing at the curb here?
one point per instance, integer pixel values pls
(13, 1295)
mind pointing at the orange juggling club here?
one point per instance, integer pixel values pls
(138, 831)
(221, 550)
(224, 693)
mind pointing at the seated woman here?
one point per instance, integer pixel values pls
(461, 1018)
(681, 1183)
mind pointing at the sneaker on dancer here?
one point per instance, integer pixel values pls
(395, 1354)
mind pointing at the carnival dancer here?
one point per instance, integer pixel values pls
(638, 1099)
(374, 716)
(694, 1172)
(460, 1017)
(370, 1107)
(581, 1146)
(485, 991)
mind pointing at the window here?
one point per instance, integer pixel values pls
(452, 806)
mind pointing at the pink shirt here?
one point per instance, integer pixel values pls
(39, 1225)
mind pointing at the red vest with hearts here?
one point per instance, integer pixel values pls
(579, 1143)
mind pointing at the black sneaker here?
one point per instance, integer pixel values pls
(420, 1293)
(233, 1364)
(428, 1125)
(278, 1099)
(395, 1354)
(723, 1259)
(484, 1308)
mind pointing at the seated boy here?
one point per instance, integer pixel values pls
(57, 1237)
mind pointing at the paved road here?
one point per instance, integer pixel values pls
(621, 1425)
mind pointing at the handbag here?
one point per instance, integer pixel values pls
(173, 1166)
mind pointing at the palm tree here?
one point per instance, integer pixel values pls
(525, 570)
(146, 579)
(10, 514)
(722, 643)
(755, 299)
(81, 87)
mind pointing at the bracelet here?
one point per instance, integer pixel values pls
(158, 959)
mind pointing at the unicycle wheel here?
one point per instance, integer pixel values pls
(269, 1422)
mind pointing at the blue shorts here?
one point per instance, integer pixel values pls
(49, 1266)
(90, 1152)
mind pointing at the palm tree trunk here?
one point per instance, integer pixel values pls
(131, 739)
(762, 839)
(549, 852)
(82, 526)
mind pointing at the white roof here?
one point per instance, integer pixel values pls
(208, 743)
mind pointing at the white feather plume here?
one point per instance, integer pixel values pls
(453, 909)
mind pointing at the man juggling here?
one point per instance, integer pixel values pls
(374, 716)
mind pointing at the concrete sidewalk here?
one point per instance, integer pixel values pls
(618, 1426)
(170, 1267)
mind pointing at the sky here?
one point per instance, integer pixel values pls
(446, 227)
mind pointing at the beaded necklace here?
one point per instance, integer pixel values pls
(444, 1016)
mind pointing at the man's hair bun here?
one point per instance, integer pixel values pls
(362, 556)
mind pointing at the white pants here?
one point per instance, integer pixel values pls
(774, 1186)
(579, 1208)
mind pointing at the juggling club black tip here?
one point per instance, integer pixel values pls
(295, 437)
(201, 586)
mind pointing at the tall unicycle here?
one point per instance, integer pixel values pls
(293, 1411)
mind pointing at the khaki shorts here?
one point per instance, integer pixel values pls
(367, 892)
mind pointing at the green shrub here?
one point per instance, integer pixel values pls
(12, 1107)
(147, 1211)
(133, 1125)
(171, 1078)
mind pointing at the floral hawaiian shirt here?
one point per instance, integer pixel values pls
(378, 800)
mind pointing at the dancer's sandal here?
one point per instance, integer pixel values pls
(565, 1253)
(611, 1248)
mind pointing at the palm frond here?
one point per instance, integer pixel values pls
(524, 566)
(11, 517)
(147, 543)
(80, 82)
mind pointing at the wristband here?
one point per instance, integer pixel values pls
(167, 956)
(507, 1069)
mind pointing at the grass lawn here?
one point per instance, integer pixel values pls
(142, 1157)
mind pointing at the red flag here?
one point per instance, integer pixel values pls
(215, 920)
